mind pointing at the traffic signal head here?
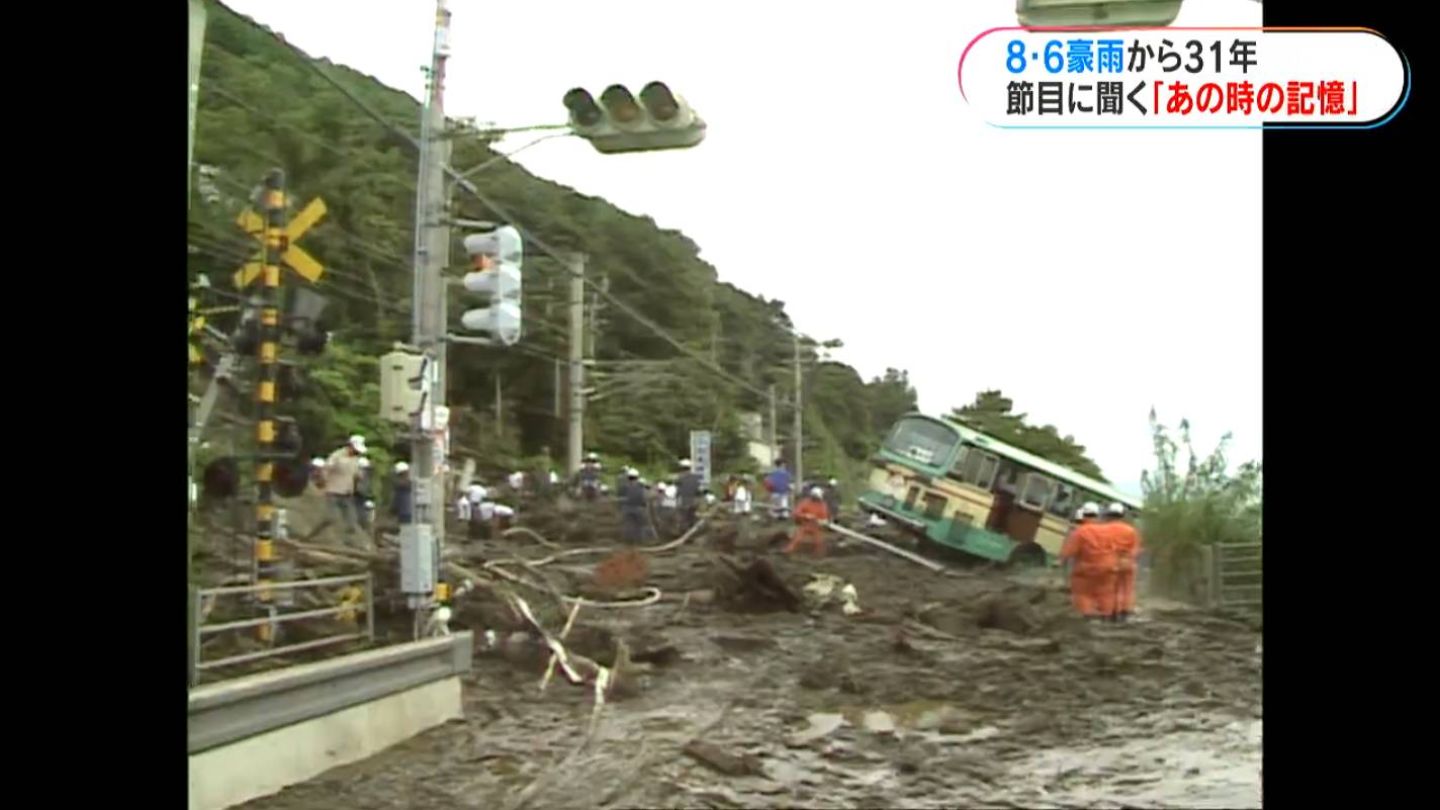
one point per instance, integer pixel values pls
(1112, 13)
(584, 112)
(659, 119)
(496, 257)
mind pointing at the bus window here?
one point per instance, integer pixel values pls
(1036, 491)
(1065, 502)
(977, 468)
(922, 440)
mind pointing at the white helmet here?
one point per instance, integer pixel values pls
(1115, 508)
(1079, 514)
(401, 467)
(358, 443)
(833, 482)
(685, 463)
(317, 462)
(631, 472)
(1090, 509)
(816, 492)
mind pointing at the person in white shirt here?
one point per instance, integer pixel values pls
(741, 503)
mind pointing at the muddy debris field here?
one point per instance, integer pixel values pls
(755, 679)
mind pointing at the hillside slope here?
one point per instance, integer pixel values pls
(261, 106)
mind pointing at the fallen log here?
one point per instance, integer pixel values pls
(899, 552)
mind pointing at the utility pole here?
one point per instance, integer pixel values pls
(272, 205)
(799, 416)
(432, 248)
(774, 438)
(574, 445)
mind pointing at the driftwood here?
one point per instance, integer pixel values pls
(881, 544)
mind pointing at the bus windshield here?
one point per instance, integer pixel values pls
(922, 440)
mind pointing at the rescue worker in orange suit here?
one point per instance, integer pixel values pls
(809, 513)
(1092, 574)
(1125, 542)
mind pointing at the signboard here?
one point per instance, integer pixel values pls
(700, 454)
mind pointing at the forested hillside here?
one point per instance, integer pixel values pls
(261, 106)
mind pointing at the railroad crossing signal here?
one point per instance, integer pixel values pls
(619, 123)
(293, 255)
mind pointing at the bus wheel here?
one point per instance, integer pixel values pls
(1029, 555)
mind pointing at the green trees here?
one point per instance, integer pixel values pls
(1202, 504)
(260, 106)
(990, 413)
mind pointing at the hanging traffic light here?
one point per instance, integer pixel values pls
(496, 259)
(659, 119)
(1109, 13)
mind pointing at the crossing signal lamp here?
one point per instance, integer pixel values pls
(659, 119)
(495, 259)
(1110, 13)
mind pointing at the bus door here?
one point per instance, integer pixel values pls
(1005, 493)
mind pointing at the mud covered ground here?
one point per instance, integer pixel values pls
(963, 688)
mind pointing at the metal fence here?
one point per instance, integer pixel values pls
(1234, 576)
(200, 629)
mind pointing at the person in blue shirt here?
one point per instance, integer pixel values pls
(779, 484)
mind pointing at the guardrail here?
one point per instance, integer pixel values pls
(200, 630)
(228, 711)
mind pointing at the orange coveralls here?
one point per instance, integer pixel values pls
(808, 514)
(1092, 581)
(1125, 541)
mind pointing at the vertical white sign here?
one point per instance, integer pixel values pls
(700, 454)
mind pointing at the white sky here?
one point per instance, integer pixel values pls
(1088, 275)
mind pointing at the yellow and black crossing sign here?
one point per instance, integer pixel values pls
(197, 331)
(300, 261)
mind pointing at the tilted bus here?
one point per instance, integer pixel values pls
(973, 493)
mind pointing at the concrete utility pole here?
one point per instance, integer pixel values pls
(774, 427)
(799, 417)
(574, 446)
(432, 250)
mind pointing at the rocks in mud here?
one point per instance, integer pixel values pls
(755, 587)
(723, 761)
(819, 726)
(1005, 612)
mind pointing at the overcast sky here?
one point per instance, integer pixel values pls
(1088, 275)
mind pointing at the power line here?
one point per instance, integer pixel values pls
(531, 236)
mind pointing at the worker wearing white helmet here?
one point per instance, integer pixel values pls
(1124, 543)
(342, 469)
(687, 491)
(1085, 556)
(809, 514)
(634, 506)
(317, 472)
(402, 495)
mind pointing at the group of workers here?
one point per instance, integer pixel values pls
(1102, 551)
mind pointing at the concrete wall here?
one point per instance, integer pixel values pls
(267, 763)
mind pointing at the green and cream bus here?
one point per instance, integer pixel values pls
(967, 491)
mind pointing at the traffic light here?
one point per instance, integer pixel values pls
(1110, 13)
(404, 384)
(659, 119)
(496, 258)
